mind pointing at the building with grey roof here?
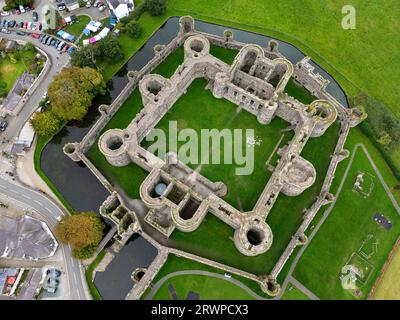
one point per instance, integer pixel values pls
(26, 238)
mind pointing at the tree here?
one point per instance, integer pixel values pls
(109, 49)
(29, 47)
(85, 57)
(83, 231)
(3, 89)
(11, 4)
(46, 123)
(134, 29)
(72, 91)
(155, 7)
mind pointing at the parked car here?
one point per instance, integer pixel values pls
(61, 7)
(3, 125)
(21, 24)
(38, 26)
(60, 45)
(21, 33)
(4, 23)
(35, 16)
(21, 8)
(5, 31)
(49, 40)
(35, 35)
(5, 13)
(25, 25)
(88, 4)
(66, 48)
(17, 12)
(96, 4)
(12, 24)
(102, 8)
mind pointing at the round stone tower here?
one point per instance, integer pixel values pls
(254, 236)
(71, 150)
(196, 47)
(113, 145)
(219, 86)
(324, 115)
(186, 25)
(298, 175)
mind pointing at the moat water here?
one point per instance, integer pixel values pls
(116, 281)
(74, 180)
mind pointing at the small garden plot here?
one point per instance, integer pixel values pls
(364, 184)
(369, 247)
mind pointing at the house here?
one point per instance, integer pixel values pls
(8, 45)
(19, 88)
(71, 4)
(121, 8)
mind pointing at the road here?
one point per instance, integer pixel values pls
(203, 273)
(56, 62)
(50, 212)
(34, 199)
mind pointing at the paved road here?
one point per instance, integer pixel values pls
(50, 212)
(329, 210)
(56, 62)
(203, 273)
(302, 288)
(34, 199)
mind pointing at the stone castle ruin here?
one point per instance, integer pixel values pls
(178, 196)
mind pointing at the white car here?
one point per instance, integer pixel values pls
(88, 4)
(4, 13)
(102, 8)
(21, 8)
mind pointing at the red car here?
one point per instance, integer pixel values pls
(35, 35)
(25, 25)
(31, 6)
(17, 12)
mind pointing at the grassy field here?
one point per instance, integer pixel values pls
(88, 275)
(206, 287)
(10, 71)
(292, 293)
(243, 190)
(175, 263)
(343, 233)
(77, 27)
(389, 287)
(213, 238)
(351, 56)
